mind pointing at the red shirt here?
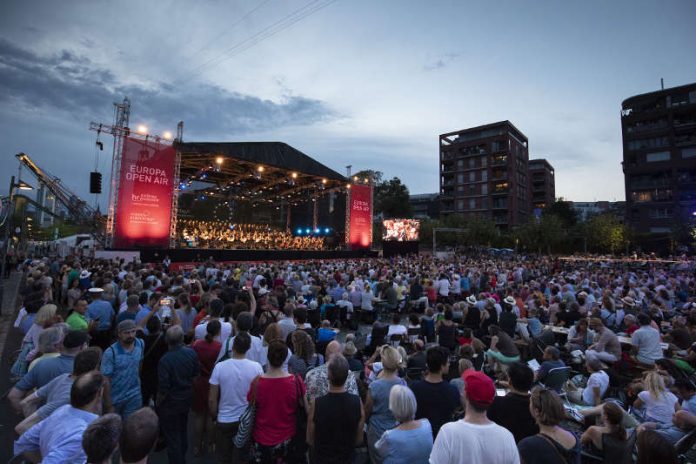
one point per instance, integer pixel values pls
(199, 317)
(276, 406)
(207, 355)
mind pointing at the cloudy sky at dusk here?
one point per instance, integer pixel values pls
(366, 83)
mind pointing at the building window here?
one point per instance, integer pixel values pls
(641, 197)
(654, 142)
(472, 176)
(484, 161)
(472, 204)
(500, 203)
(660, 213)
(500, 187)
(689, 152)
(657, 156)
(460, 164)
(499, 159)
(484, 175)
(484, 189)
(460, 205)
(472, 189)
(472, 163)
(460, 178)
(484, 203)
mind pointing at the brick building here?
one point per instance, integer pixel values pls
(542, 183)
(484, 173)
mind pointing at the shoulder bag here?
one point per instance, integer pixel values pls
(247, 419)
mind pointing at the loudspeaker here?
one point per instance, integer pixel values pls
(95, 179)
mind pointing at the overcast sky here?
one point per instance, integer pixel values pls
(361, 82)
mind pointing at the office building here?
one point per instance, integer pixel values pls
(542, 183)
(484, 173)
(586, 209)
(659, 158)
(425, 206)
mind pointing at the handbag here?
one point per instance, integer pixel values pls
(246, 420)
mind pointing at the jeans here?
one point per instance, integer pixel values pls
(225, 451)
(174, 429)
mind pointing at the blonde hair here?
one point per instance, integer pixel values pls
(390, 358)
(654, 383)
(45, 314)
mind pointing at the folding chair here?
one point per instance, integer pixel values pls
(556, 378)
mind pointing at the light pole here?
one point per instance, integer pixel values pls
(21, 185)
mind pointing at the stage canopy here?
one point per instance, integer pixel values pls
(257, 172)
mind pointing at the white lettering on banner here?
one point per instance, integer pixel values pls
(147, 175)
(360, 205)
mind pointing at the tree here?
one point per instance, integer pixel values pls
(604, 233)
(391, 199)
(564, 211)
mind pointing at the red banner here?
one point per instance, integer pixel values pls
(360, 213)
(146, 190)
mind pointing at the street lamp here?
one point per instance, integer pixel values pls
(20, 185)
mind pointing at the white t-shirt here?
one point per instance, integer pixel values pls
(202, 329)
(459, 442)
(256, 350)
(660, 409)
(647, 340)
(397, 329)
(234, 376)
(598, 379)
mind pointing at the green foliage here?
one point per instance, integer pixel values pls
(562, 210)
(604, 233)
(390, 196)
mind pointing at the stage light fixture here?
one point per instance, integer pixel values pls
(348, 186)
(326, 231)
(260, 169)
(316, 231)
(141, 129)
(308, 231)
(293, 175)
(299, 231)
(355, 178)
(323, 181)
(367, 180)
(167, 135)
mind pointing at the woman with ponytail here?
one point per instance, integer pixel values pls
(207, 350)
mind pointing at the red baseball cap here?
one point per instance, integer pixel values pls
(479, 387)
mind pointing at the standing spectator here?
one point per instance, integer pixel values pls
(435, 397)
(304, 357)
(155, 348)
(186, 313)
(121, 365)
(475, 438)
(607, 347)
(58, 439)
(207, 351)
(380, 418)
(412, 440)
(279, 396)
(138, 436)
(48, 369)
(553, 444)
(100, 439)
(229, 384)
(646, 342)
(512, 410)
(176, 371)
(45, 318)
(318, 378)
(335, 421)
(76, 319)
(102, 312)
(132, 308)
(215, 310)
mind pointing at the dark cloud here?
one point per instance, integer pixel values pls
(74, 84)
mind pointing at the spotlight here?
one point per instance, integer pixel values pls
(355, 178)
(299, 231)
(260, 169)
(219, 160)
(293, 175)
(309, 231)
(348, 186)
(316, 231)
(367, 180)
(167, 135)
(323, 181)
(326, 231)
(141, 129)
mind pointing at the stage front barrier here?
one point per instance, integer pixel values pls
(197, 255)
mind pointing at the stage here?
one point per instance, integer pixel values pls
(189, 255)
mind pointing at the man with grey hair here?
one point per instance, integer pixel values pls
(335, 421)
(176, 371)
(132, 308)
(318, 378)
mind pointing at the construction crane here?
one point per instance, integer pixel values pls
(79, 211)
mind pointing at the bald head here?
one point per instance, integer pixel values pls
(332, 349)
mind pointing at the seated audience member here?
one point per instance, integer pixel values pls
(100, 439)
(553, 444)
(512, 410)
(683, 419)
(436, 398)
(411, 440)
(396, 328)
(580, 337)
(325, 333)
(597, 385)
(139, 435)
(646, 342)
(607, 347)
(58, 438)
(503, 349)
(335, 440)
(611, 434)
(475, 438)
(508, 320)
(659, 403)
(653, 448)
(551, 360)
(417, 359)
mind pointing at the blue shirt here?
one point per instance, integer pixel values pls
(382, 418)
(140, 315)
(58, 437)
(534, 326)
(100, 310)
(123, 368)
(406, 446)
(46, 370)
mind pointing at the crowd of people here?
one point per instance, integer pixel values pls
(462, 359)
(226, 235)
